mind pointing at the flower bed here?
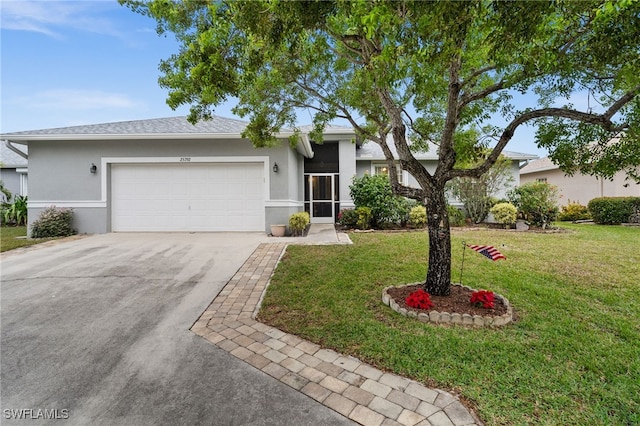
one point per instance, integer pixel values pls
(453, 309)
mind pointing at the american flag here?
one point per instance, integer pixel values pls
(489, 251)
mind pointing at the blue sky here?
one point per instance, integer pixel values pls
(87, 62)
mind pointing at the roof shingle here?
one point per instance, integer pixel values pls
(168, 125)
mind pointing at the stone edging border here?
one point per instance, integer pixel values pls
(451, 318)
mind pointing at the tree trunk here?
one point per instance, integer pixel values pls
(439, 273)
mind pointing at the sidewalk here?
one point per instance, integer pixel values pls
(354, 389)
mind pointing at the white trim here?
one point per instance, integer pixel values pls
(106, 161)
(41, 204)
(284, 203)
(24, 184)
(314, 219)
(172, 160)
(22, 170)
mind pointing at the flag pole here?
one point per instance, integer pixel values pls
(464, 248)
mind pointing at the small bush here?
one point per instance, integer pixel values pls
(53, 222)
(537, 202)
(348, 218)
(418, 216)
(298, 222)
(613, 210)
(505, 214)
(364, 217)
(375, 193)
(574, 211)
(456, 216)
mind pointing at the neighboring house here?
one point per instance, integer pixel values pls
(13, 169)
(168, 175)
(578, 188)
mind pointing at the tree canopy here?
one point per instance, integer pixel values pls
(422, 73)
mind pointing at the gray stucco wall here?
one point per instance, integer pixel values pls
(11, 180)
(59, 174)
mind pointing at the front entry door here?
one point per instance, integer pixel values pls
(321, 191)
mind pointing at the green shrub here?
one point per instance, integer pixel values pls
(298, 222)
(375, 193)
(348, 218)
(505, 214)
(5, 202)
(365, 216)
(613, 210)
(15, 213)
(537, 202)
(574, 211)
(418, 216)
(53, 222)
(456, 216)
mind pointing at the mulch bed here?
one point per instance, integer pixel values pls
(457, 302)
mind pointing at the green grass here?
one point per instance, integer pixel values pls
(571, 358)
(8, 240)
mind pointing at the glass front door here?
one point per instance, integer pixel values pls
(321, 192)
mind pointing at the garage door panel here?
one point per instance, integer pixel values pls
(188, 197)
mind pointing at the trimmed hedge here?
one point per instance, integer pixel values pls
(505, 214)
(574, 211)
(613, 210)
(298, 222)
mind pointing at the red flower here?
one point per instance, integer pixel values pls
(419, 299)
(483, 298)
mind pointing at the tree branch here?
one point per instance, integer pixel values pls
(467, 98)
(477, 73)
(602, 120)
(447, 152)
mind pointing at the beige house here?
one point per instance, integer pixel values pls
(578, 188)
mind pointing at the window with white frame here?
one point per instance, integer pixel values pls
(383, 169)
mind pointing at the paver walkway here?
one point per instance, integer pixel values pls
(354, 389)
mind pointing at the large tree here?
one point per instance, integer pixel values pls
(429, 72)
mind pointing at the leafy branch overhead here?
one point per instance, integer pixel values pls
(433, 72)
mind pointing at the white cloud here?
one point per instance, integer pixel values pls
(52, 18)
(74, 99)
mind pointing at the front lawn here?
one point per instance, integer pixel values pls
(571, 358)
(8, 240)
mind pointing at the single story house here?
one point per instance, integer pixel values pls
(14, 168)
(169, 175)
(578, 188)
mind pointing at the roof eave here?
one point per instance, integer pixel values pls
(304, 146)
(23, 139)
(542, 169)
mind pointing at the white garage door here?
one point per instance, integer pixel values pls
(187, 197)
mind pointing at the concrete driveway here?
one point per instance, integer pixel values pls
(96, 330)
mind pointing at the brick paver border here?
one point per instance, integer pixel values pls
(348, 386)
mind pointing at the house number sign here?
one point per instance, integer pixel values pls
(185, 159)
